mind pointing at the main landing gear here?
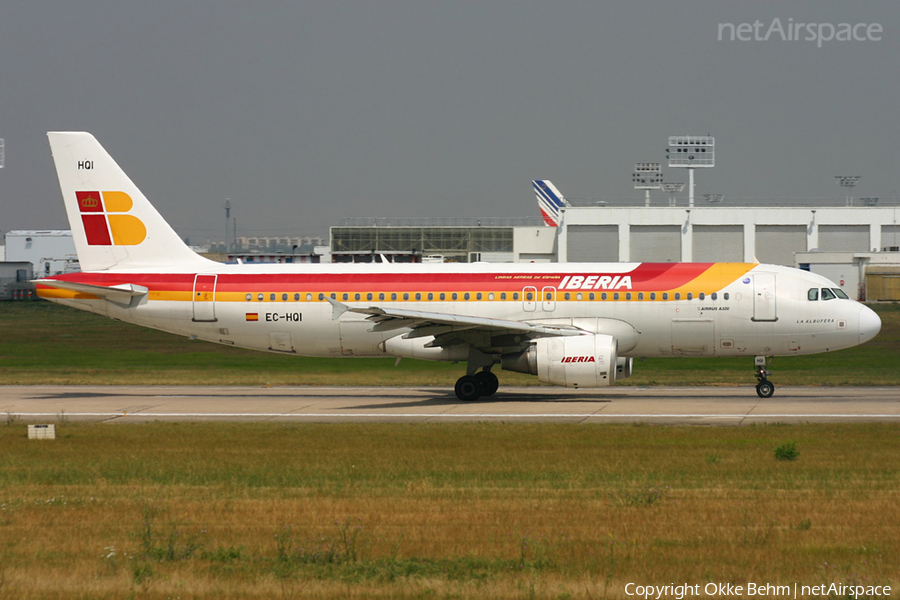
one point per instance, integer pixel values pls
(764, 387)
(473, 387)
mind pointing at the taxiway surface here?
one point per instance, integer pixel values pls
(671, 405)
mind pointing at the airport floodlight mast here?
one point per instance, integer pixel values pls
(227, 219)
(691, 152)
(849, 182)
(672, 188)
(647, 176)
(713, 198)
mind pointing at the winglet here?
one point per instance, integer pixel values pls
(337, 308)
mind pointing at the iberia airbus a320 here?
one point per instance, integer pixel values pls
(577, 325)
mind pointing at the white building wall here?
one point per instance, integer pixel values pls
(775, 233)
(534, 244)
(49, 251)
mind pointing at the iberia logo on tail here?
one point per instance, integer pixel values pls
(104, 221)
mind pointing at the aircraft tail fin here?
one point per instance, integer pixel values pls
(550, 201)
(113, 224)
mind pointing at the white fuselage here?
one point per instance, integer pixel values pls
(764, 311)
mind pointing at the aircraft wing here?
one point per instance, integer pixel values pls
(123, 293)
(445, 327)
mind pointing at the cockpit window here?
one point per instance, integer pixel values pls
(840, 293)
(827, 294)
(812, 294)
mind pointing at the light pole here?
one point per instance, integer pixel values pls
(227, 220)
(647, 176)
(691, 152)
(849, 182)
(672, 189)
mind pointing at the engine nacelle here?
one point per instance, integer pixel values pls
(584, 361)
(418, 348)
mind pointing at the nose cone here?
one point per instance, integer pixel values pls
(869, 324)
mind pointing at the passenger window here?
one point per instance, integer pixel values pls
(443, 296)
(591, 296)
(726, 296)
(528, 296)
(813, 294)
(431, 295)
(249, 297)
(701, 295)
(454, 296)
(677, 296)
(616, 296)
(714, 296)
(357, 297)
(665, 295)
(690, 296)
(840, 293)
(653, 295)
(828, 294)
(515, 295)
(393, 295)
(503, 295)
(297, 297)
(368, 295)
(346, 296)
(604, 296)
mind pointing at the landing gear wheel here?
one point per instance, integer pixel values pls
(468, 388)
(765, 389)
(488, 382)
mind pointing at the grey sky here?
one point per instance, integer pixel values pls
(306, 112)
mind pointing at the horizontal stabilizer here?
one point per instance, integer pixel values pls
(123, 293)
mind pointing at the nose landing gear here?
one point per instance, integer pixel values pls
(764, 387)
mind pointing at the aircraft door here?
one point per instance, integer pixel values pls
(548, 299)
(204, 298)
(529, 298)
(693, 337)
(764, 297)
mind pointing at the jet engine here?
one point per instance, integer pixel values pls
(584, 361)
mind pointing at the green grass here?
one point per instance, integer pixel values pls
(51, 344)
(468, 510)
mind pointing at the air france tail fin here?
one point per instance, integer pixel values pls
(113, 224)
(549, 201)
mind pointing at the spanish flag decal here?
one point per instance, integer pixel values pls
(253, 316)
